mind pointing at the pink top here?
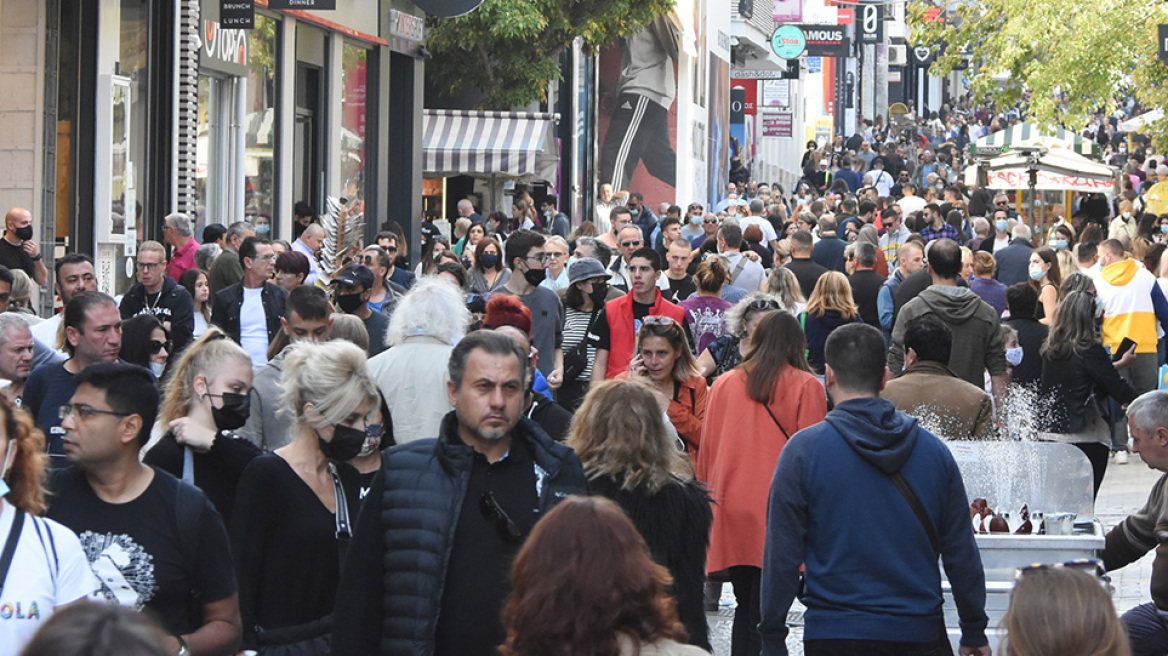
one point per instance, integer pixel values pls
(182, 260)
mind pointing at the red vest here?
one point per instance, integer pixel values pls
(622, 337)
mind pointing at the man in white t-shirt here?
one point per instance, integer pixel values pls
(769, 236)
(74, 273)
(250, 310)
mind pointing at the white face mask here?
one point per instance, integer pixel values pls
(1014, 356)
(157, 368)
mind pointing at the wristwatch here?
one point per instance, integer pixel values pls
(183, 649)
(38, 258)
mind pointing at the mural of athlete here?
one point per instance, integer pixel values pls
(645, 91)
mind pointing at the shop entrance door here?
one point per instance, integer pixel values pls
(307, 176)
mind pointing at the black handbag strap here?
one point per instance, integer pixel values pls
(10, 546)
(776, 420)
(917, 509)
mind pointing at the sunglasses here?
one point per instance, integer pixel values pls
(630, 244)
(709, 221)
(763, 304)
(1091, 566)
(658, 320)
(491, 509)
(156, 346)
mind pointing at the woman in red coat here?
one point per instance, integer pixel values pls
(752, 412)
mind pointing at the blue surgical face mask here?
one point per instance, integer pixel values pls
(697, 220)
(1036, 272)
(1002, 224)
(1164, 228)
(263, 229)
(1058, 244)
(1014, 356)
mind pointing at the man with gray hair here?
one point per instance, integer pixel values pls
(1147, 419)
(427, 323)
(228, 268)
(1014, 260)
(177, 231)
(309, 243)
(16, 354)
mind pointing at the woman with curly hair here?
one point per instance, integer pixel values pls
(44, 578)
(585, 584)
(630, 457)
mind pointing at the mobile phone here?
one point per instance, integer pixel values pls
(1126, 345)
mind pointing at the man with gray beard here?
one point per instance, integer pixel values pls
(428, 569)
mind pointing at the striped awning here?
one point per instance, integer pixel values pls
(1028, 134)
(482, 144)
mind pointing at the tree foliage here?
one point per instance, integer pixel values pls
(1067, 58)
(509, 49)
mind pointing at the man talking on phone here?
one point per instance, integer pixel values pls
(1132, 304)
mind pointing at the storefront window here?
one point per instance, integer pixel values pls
(260, 179)
(353, 113)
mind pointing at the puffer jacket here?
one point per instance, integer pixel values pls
(395, 569)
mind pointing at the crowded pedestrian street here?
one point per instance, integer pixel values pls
(606, 328)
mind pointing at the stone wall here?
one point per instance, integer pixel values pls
(22, 30)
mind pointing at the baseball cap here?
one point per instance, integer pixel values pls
(354, 275)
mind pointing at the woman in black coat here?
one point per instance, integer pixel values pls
(1078, 376)
(632, 456)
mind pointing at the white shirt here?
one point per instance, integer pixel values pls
(38, 580)
(768, 230)
(313, 267)
(752, 273)
(882, 180)
(910, 204)
(999, 244)
(45, 332)
(253, 326)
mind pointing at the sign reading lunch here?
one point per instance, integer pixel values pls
(788, 42)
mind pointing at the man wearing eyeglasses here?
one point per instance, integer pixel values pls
(93, 334)
(154, 543)
(629, 240)
(428, 569)
(161, 296)
(528, 261)
(397, 275)
(250, 310)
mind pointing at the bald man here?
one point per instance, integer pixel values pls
(309, 243)
(466, 210)
(18, 249)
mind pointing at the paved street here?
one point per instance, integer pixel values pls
(1125, 488)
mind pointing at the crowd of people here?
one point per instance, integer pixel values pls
(545, 440)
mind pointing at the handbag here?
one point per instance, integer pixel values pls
(311, 638)
(576, 360)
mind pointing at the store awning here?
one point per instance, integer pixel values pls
(482, 144)
(1026, 133)
(1058, 169)
(1135, 123)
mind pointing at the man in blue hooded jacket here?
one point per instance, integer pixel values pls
(872, 585)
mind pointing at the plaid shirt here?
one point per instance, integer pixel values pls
(991, 291)
(947, 231)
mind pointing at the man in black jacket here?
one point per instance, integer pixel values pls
(250, 310)
(801, 264)
(428, 569)
(864, 280)
(156, 294)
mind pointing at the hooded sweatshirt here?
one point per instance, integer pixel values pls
(1131, 302)
(977, 335)
(870, 570)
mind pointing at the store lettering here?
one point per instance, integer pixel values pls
(10, 612)
(824, 35)
(1021, 180)
(225, 44)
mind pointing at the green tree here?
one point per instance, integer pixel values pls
(1068, 58)
(510, 49)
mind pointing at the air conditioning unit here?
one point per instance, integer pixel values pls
(897, 55)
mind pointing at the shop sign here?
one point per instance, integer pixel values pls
(302, 4)
(789, 42)
(224, 50)
(780, 125)
(237, 14)
(826, 40)
(776, 93)
(407, 26)
(788, 11)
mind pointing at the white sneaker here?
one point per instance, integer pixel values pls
(1121, 457)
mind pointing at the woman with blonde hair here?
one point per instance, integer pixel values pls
(664, 361)
(705, 313)
(829, 307)
(45, 578)
(556, 248)
(630, 458)
(727, 351)
(783, 285)
(296, 505)
(207, 397)
(585, 584)
(1061, 611)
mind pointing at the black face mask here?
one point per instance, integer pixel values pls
(25, 233)
(349, 302)
(346, 444)
(234, 413)
(599, 293)
(535, 276)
